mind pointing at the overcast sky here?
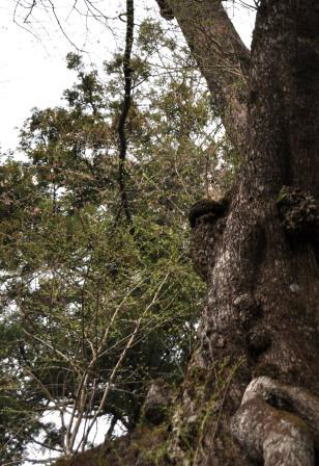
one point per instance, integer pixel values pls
(33, 71)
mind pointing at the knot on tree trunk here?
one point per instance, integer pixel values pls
(299, 212)
(207, 220)
(157, 402)
(278, 424)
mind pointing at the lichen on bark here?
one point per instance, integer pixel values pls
(278, 424)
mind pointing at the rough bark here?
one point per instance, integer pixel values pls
(262, 305)
(250, 395)
(278, 423)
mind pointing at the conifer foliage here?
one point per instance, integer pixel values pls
(95, 307)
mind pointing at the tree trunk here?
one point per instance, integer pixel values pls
(250, 393)
(261, 319)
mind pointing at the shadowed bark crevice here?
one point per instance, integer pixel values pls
(207, 220)
(299, 213)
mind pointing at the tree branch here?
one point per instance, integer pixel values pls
(127, 71)
(221, 56)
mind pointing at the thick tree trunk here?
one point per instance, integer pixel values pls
(261, 320)
(251, 393)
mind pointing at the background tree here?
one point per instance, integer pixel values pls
(95, 307)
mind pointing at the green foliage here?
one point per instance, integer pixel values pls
(93, 308)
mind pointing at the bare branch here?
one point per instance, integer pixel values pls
(57, 19)
(109, 383)
(34, 3)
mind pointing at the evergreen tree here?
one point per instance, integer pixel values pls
(96, 307)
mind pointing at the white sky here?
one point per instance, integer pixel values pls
(33, 71)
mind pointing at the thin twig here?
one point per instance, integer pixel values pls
(129, 344)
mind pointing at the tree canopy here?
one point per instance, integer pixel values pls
(97, 304)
